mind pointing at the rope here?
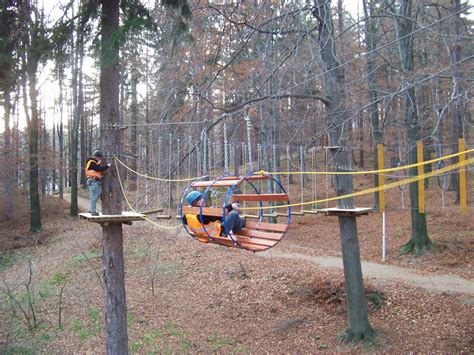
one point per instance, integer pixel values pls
(249, 137)
(151, 177)
(262, 172)
(130, 206)
(362, 172)
(204, 151)
(226, 152)
(373, 189)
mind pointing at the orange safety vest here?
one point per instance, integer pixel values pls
(93, 173)
(212, 228)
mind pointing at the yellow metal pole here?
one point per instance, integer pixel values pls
(381, 177)
(421, 183)
(462, 177)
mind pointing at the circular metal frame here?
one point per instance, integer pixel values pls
(229, 193)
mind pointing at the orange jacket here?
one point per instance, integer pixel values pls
(90, 173)
(212, 228)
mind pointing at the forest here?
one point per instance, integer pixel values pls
(349, 108)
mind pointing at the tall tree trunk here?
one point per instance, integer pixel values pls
(458, 94)
(358, 322)
(30, 59)
(74, 142)
(80, 108)
(134, 120)
(33, 143)
(7, 170)
(404, 26)
(61, 134)
(112, 235)
(377, 135)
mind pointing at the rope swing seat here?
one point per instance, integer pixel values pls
(261, 231)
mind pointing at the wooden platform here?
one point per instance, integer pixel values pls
(255, 236)
(346, 212)
(126, 217)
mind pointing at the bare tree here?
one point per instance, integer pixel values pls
(358, 323)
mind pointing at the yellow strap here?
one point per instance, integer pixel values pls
(132, 209)
(380, 163)
(152, 177)
(462, 178)
(262, 172)
(373, 189)
(421, 183)
(362, 172)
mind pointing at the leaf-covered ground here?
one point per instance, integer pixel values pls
(184, 296)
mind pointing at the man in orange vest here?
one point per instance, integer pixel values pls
(94, 173)
(211, 225)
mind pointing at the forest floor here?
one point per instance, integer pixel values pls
(184, 296)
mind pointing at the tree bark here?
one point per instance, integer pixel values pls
(377, 135)
(458, 94)
(111, 142)
(8, 171)
(404, 26)
(74, 143)
(358, 323)
(33, 142)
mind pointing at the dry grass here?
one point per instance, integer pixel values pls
(184, 296)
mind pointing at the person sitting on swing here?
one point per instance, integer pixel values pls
(210, 225)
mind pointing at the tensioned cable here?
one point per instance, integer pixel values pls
(152, 177)
(326, 71)
(357, 172)
(362, 172)
(371, 190)
(132, 209)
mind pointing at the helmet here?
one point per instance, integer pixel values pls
(97, 153)
(193, 196)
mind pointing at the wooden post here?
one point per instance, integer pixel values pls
(462, 177)
(421, 183)
(380, 161)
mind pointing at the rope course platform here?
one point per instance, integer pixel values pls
(346, 212)
(126, 217)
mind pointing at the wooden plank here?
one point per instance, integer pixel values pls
(349, 212)
(225, 241)
(256, 241)
(252, 216)
(252, 177)
(270, 215)
(206, 211)
(157, 210)
(126, 216)
(311, 211)
(163, 216)
(275, 227)
(296, 213)
(260, 235)
(258, 177)
(261, 197)
(219, 183)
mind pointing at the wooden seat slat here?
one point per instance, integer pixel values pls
(274, 227)
(219, 183)
(260, 197)
(261, 235)
(257, 241)
(244, 243)
(206, 211)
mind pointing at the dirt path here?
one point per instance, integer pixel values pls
(377, 273)
(83, 203)
(383, 274)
